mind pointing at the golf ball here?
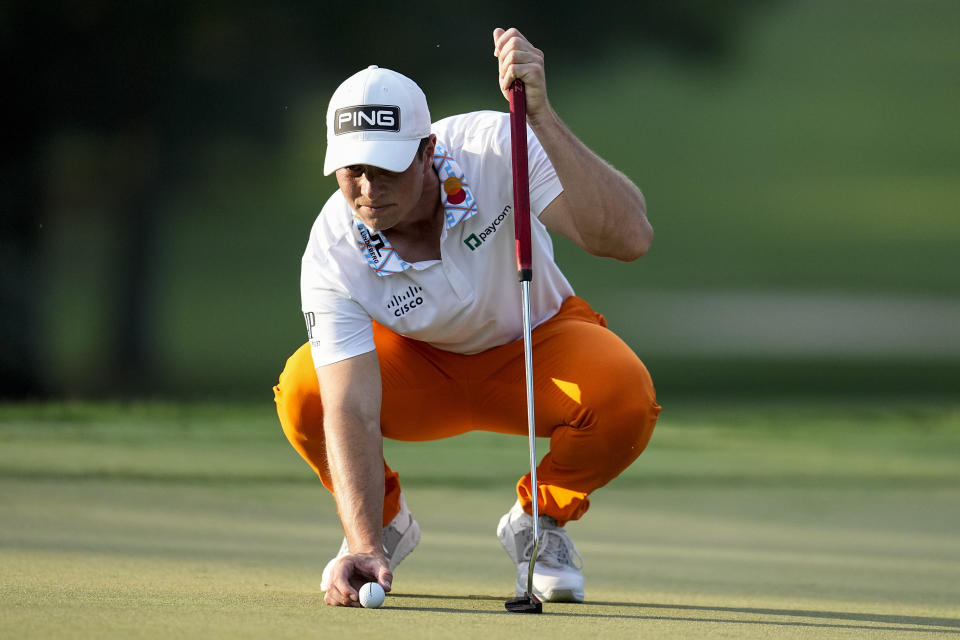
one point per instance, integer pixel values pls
(371, 595)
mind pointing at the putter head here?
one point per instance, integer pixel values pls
(527, 603)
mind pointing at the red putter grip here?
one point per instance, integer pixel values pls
(521, 179)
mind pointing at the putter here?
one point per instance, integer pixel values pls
(527, 603)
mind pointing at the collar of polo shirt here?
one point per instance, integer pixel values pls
(458, 205)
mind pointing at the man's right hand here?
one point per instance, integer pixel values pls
(350, 391)
(353, 571)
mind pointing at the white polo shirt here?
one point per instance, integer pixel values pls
(466, 302)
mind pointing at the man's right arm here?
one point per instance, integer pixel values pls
(350, 391)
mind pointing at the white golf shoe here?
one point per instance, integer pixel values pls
(400, 537)
(557, 574)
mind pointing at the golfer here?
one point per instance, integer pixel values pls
(413, 311)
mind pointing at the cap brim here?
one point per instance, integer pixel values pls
(392, 155)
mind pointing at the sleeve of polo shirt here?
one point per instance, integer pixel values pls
(337, 326)
(544, 184)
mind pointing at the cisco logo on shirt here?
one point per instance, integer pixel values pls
(406, 301)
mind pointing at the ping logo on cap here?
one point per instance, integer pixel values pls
(366, 117)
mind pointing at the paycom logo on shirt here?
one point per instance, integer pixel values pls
(475, 240)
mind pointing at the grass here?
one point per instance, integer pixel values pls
(816, 520)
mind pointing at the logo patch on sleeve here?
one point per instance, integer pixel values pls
(366, 117)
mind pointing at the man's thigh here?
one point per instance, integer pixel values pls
(580, 367)
(582, 373)
(423, 389)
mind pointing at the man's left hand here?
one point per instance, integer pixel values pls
(520, 59)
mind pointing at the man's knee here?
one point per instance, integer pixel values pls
(297, 396)
(628, 415)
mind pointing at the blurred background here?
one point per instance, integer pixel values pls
(162, 167)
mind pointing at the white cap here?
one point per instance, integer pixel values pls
(376, 117)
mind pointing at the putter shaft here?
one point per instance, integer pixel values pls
(521, 202)
(531, 429)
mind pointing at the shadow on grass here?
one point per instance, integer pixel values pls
(910, 623)
(802, 613)
(646, 480)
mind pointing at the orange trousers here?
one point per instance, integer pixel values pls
(593, 398)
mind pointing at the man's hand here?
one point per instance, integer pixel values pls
(350, 391)
(600, 209)
(520, 59)
(352, 572)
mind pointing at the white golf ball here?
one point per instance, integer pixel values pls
(371, 595)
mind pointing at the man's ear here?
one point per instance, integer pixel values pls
(428, 149)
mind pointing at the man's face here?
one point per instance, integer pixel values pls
(383, 199)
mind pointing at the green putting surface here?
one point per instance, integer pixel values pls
(806, 520)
